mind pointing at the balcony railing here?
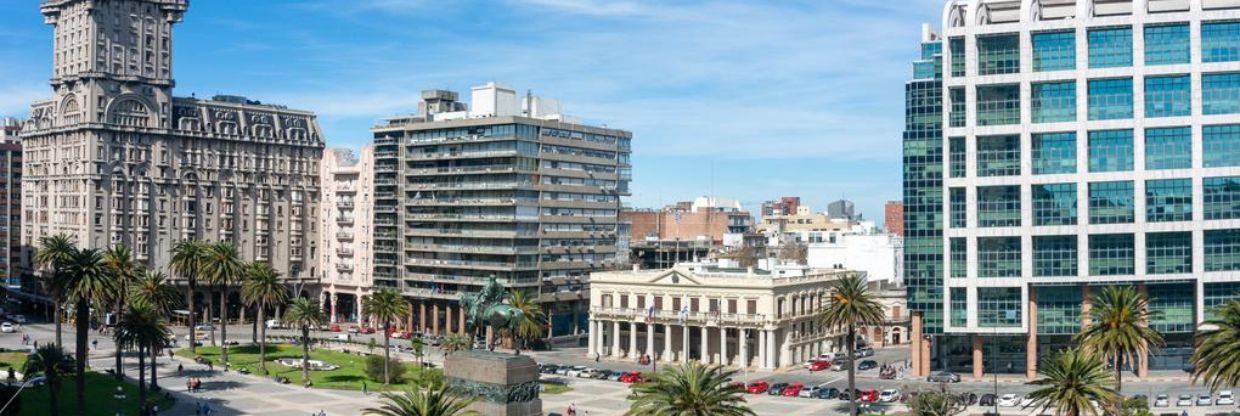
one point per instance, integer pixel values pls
(342, 235)
(344, 220)
(343, 267)
(708, 318)
(345, 251)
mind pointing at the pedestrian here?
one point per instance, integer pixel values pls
(596, 357)
(94, 344)
(198, 409)
(189, 385)
(572, 409)
(210, 366)
(180, 368)
(364, 388)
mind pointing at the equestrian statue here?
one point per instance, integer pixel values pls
(487, 308)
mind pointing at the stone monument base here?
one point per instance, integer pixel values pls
(505, 384)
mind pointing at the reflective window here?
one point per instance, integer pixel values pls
(1222, 249)
(1169, 253)
(1059, 310)
(1168, 96)
(1219, 294)
(956, 46)
(1110, 47)
(960, 215)
(960, 307)
(1110, 151)
(998, 307)
(1169, 148)
(1177, 306)
(1054, 51)
(1111, 255)
(1054, 204)
(1221, 197)
(1220, 145)
(998, 155)
(1054, 255)
(1167, 44)
(1220, 93)
(1000, 104)
(1110, 99)
(1169, 200)
(956, 118)
(1111, 202)
(998, 54)
(998, 257)
(1220, 41)
(1054, 102)
(1054, 153)
(998, 206)
(957, 150)
(960, 256)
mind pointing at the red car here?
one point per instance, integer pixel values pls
(368, 330)
(793, 389)
(820, 365)
(334, 328)
(758, 387)
(631, 377)
(868, 396)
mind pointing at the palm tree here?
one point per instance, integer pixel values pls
(262, 288)
(224, 268)
(51, 362)
(304, 313)
(1117, 329)
(434, 402)
(54, 254)
(532, 319)
(1217, 346)
(455, 342)
(1072, 381)
(118, 263)
(384, 306)
(692, 389)
(419, 348)
(187, 262)
(851, 305)
(154, 289)
(89, 284)
(142, 329)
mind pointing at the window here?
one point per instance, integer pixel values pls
(956, 47)
(1111, 255)
(1110, 99)
(998, 307)
(998, 155)
(1222, 250)
(960, 307)
(1168, 148)
(1169, 200)
(1220, 41)
(1054, 153)
(1219, 294)
(1221, 197)
(998, 206)
(1054, 102)
(1177, 306)
(958, 112)
(1054, 204)
(1059, 310)
(959, 208)
(1167, 44)
(1000, 104)
(1110, 150)
(998, 257)
(1054, 255)
(1110, 202)
(1220, 145)
(1110, 47)
(1169, 253)
(960, 256)
(956, 155)
(998, 54)
(1168, 96)
(1054, 51)
(1220, 93)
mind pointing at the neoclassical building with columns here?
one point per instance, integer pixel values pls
(756, 317)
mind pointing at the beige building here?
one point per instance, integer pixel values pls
(346, 219)
(764, 318)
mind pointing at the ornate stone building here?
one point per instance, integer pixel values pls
(114, 157)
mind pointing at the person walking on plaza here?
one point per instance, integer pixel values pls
(364, 388)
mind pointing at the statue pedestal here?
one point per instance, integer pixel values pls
(505, 384)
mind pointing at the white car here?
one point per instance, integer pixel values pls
(888, 395)
(810, 363)
(809, 392)
(1225, 398)
(575, 371)
(7, 328)
(1008, 400)
(1184, 400)
(1026, 402)
(1161, 401)
(1205, 400)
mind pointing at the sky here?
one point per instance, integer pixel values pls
(745, 99)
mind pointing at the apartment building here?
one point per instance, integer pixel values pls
(10, 201)
(346, 217)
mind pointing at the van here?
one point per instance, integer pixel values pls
(341, 337)
(274, 324)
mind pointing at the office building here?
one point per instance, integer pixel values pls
(346, 217)
(511, 189)
(842, 209)
(10, 202)
(1085, 144)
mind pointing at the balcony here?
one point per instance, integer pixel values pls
(385, 208)
(344, 220)
(385, 261)
(344, 236)
(669, 316)
(344, 204)
(463, 170)
(344, 252)
(385, 181)
(344, 267)
(385, 168)
(346, 187)
(469, 185)
(472, 202)
(386, 154)
(385, 195)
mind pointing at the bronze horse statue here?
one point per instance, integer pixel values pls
(487, 308)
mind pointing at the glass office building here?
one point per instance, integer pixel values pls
(1091, 144)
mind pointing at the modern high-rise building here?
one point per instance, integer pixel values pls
(1085, 144)
(843, 209)
(346, 217)
(510, 189)
(10, 201)
(113, 157)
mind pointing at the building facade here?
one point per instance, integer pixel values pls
(1088, 144)
(511, 190)
(113, 157)
(879, 255)
(893, 217)
(783, 206)
(714, 313)
(346, 217)
(10, 202)
(842, 209)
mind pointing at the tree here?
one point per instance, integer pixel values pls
(532, 322)
(53, 364)
(89, 284)
(263, 288)
(1118, 330)
(455, 342)
(304, 313)
(1217, 345)
(384, 306)
(224, 268)
(187, 259)
(851, 305)
(936, 403)
(154, 290)
(54, 254)
(1071, 381)
(384, 368)
(144, 329)
(419, 348)
(693, 389)
(119, 265)
(435, 401)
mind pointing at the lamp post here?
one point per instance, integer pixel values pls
(120, 399)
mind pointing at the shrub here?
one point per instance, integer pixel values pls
(374, 369)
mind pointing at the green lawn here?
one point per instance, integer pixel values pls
(16, 360)
(99, 397)
(349, 376)
(555, 388)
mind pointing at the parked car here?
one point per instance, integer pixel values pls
(865, 352)
(1184, 400)
(868, 396)
(1028, 401)
(809, 392)
(830, 356)
(845, 396)
(809, 363)
(777, 389)
(547, 368)
(944, 377)
(1009, 400)
(793, 390)
(986, 400)
(614, 375)
(333, 328)
(1225, 398)
(840, 365)
(820, 365)
(827, 392)
(589, 373)
(1161, 401)
(758, 387)
(889, 395)
(21, 319)
(575, 371)
(631, 377)
(867, 365)
(563, 370)
(1205, 400)
(8, 328)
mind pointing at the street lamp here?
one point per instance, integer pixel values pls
(120, 399)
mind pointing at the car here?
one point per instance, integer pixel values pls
(1184, 400)
(367, 330)
(7, 328)
(601, 374)
(1161, 401)
(840, 365)
(820, 365)
(757, 387)
(828, 356)
(563, 370)
(21, 319)
(865, 352)
(631, 377)
(548, 368)
(333, 328)
(809, 363)
(614, 375)
(435, 342)
(868, 396)
(867, 365)
(793, 390)
(274, 324)
(1205, 400)
(986, 400)
(1009, 400)
(827, 392)
(589, 373)
(944, 377)
(1225, 398)
(889, 395)
(809, 392)
(575, 371)
(1028, 401)
(777, 389)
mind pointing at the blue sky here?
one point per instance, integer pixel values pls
(746, 99)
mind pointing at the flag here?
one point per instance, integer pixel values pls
(684, 313)
(650, 314)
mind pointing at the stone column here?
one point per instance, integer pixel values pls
(705, 345)
(461, 311)
(668, 355)
(684, 345)
(592, 344)
(916, 340)
(762, 363)
(422, 317)
(1031, 346)
(332, 298)
(448, 327)
(615, 339)
(785, 350)
(490, 335)
(435, 319)
(723, 346)
(771, 356)
(978, 364)
(650, 341)
(632, 340)
(743, 344)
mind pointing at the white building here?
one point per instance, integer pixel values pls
(347, 217)
(880, 256)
